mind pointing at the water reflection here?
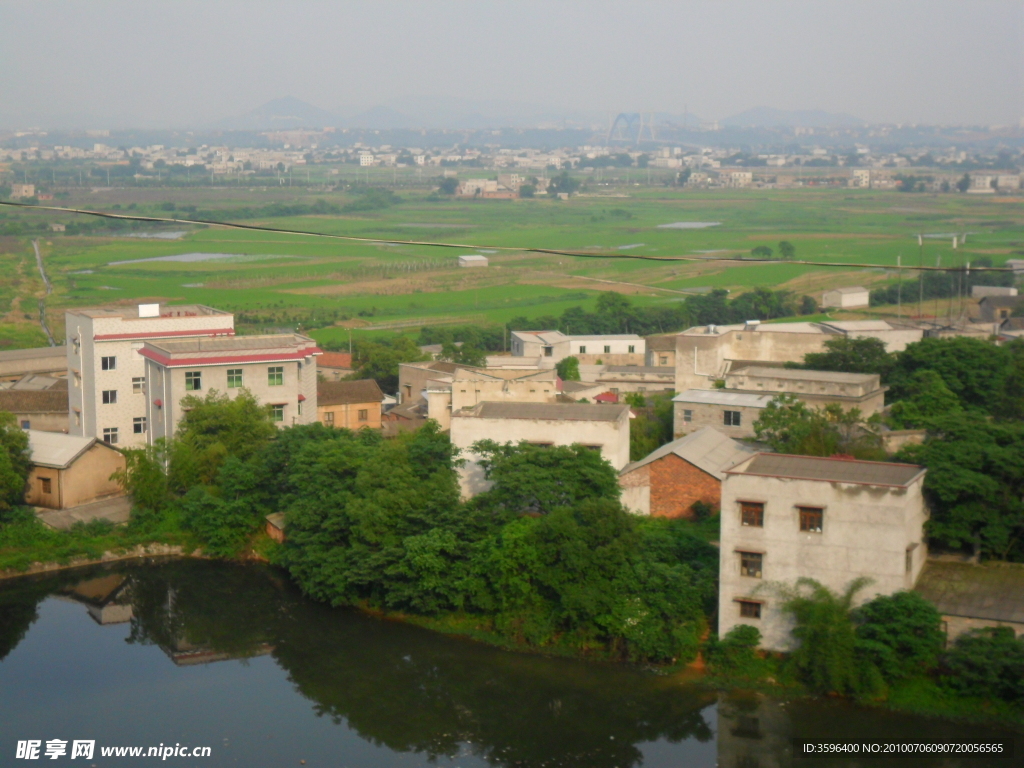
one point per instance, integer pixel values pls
(417, 692)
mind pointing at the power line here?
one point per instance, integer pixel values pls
(432, 244)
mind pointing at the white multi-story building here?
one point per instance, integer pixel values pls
(551, 346)
(279, 369)
(107, 389)
(829, 519)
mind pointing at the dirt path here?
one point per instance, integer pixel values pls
(49, 290)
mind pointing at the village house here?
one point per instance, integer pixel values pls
(349, 404)
(278, 369)
(107, 373)
(863, 391)
(670, 480)
(661, 350)
(620, 379)
(604, 428)
(847, 297)
(994, 309)
(37, 402)
(732, 413)
(975, 595)
(549, 347)
(333, 366)
(830, 519)
(68, 471)
(16, 363)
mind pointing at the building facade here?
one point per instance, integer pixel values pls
(67, 471)
(846, 298)
(279, 370)
(349, 404)
(107, 374)
(863, 391)
(731, 413)
(833, 520)
(549, 347)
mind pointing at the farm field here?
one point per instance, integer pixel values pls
(327, 287)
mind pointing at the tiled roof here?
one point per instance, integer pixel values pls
(55, 449)
(545, 411)
(832, 470)
(707, 449)
(34, 400)
(342, 392)
(994, 591)
(334, 360)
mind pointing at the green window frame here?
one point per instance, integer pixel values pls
(234, 378)
(193, 381)
(277, 413)
(275, 376)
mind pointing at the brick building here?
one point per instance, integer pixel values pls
(349, 404)
(671, 479)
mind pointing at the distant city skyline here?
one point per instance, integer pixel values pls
(115, 64)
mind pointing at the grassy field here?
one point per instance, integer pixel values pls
(330, 286)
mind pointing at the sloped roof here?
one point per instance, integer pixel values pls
(341, 392)
(57, 450)
(34, 400)
(544, 411)
(994, 591)
(833, 470)
(334, 360)
(662, 343)
(707, 449)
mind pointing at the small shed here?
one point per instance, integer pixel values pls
(994, 309)
(473, 260)
(275, 527)
(981, 291)
(846, 298)
(971, 596)
(68, 471)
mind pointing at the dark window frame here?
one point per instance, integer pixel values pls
(752, 514)
(812, 519)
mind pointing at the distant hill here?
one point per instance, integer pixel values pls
(769, 117)
(384, 118)
(286, 112)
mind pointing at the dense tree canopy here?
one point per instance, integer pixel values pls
(788, 425)
(14, 463)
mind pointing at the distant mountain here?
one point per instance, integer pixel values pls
(768, 117)
(283, 113)
(383, 118)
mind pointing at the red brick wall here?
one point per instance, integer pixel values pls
(676, 484)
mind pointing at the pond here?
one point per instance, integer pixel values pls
(232, 657)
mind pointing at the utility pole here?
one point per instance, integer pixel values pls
(899, 287)
(920, 274)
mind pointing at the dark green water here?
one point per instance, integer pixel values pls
(234, 658)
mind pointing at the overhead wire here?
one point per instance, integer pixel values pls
(470, 246)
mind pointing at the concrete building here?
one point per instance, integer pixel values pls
(705, 353)
(548, 347)
(994, 309)
(473, 260)
(333, 366)
(19, 191)
(107, 387)
(40, 403)
(846, 298)
(601, 427)
(68, 471)
(670, 480)
(620, 379)
(896, 336)
(349, 404)
(732, 413)
(832, 520)
(863, 391)
(981, 291)
(279, 370)
(975, 596)
(15, 363)
(661, 350)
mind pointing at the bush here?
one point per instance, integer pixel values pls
(987, 663)
(735, 655)
(900, 634)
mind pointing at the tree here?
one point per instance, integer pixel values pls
(735, 655)
(987, 663)
(144, 478)
(789, 426)
(562, 183)
(379, 360)
(974, 485)
(535, 479)
(761, 252)
(850, 355)
(568, 368)
(827, 658)
(527, 190)
(964, 184)
(808, 305)
(900, 634)
(15, 463)
(786, 249)
(929, 398)
(973, 369)
(1010, 399)
(448, 185)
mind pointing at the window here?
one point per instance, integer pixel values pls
(641, 389)
(26, 424)
(732, 418)
(364, 414)
(547, 351)
(607, 349)
(109, 396)
(300, 407)
(277, 413)
(329, 419)
(45, 485)
(193, 381)
(663, 359)
(687, 416)
(583, 350)
(138, 385)
(234, 378)
(749, 609)
(750, 564)
(139, 425)
(108, 363)
(811, 519)
(632, 349)
(78, 418)
(110, 435)
(275, 375)
(752, 513)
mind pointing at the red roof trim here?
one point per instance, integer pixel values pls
(163, 334)
(186, 362)
(302, 398)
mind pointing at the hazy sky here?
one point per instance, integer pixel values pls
(171, 64)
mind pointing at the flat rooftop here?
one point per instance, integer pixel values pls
(723, 397)
(719, 330)
(131, 312)
(233, 344)
(544, 411)
(832, 470)
(660, 370)
(800, 374)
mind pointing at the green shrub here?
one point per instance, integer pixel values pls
(988, 663)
